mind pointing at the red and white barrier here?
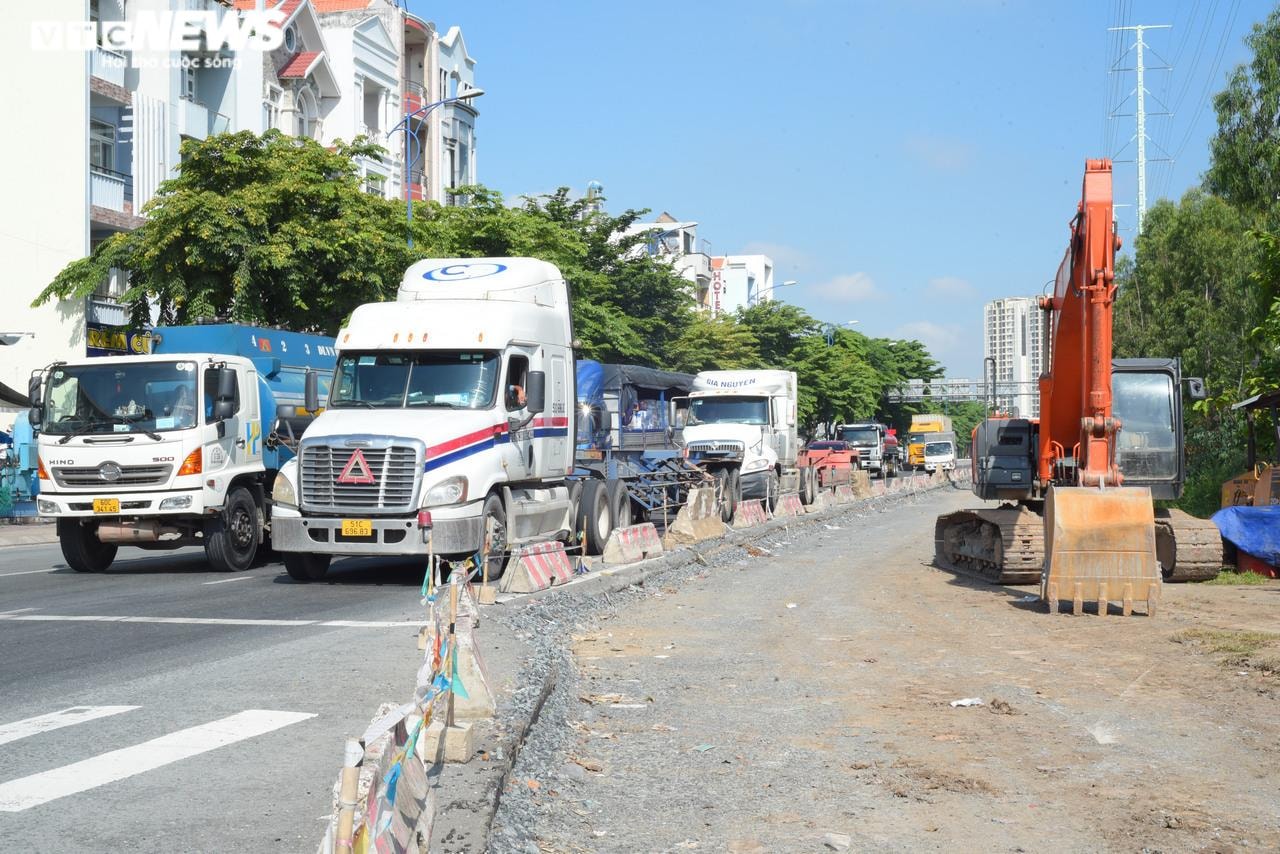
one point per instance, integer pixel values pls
(749, 513)
(789, 505)
(632, 544)
(844, 494)
(536, 567)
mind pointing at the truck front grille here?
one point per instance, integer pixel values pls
(93, 477)
(395, 471)
(716, 447)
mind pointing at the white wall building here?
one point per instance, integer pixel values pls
(739, 281)
(453, 129)
(1012, 334)
(677, 243)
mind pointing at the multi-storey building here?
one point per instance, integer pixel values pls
(111, 123)
(742, 281)
(1013, 336)
(677, 243)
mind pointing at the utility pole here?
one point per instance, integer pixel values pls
(1139, 48)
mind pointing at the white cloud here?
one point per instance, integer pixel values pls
(950, 286)
(944, 341)
(940, 153)
(851, 287)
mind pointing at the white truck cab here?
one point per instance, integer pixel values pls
(741, 427)
(449, 425)
(939, 452)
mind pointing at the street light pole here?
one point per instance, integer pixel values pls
(412, 156)
(788, 283)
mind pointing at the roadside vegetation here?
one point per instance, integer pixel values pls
(1203, 283)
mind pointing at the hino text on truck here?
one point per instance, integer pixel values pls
(449, 426)
(177, 448)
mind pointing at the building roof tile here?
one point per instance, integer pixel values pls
(298, 65)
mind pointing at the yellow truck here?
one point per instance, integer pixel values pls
(921, 426)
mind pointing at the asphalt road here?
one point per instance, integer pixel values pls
(211, 719)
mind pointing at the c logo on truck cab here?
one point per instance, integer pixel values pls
(462, 272)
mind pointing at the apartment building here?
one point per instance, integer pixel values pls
(677, 242)
(740, 281)
(1013, 335)
(110, 121)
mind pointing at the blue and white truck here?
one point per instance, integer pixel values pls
(179, 447)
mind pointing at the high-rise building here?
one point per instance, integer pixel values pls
(1013, 335)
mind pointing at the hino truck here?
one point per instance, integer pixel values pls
(921, 425)
(177, 448)
(741, 428)
(449, 428)
(877, 449)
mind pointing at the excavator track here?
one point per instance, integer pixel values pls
(1189, 549)
(1002, 546)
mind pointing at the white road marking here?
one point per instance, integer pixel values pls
(26, 572)
(237, 578)
(17, 611)
(213, 621)
(57, 720)
(26, 792)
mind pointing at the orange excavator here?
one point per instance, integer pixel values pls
(1080, 479)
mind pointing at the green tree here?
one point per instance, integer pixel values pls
(1245, 152)
(713, 343)
(270, 230)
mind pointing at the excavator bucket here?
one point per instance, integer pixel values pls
(1101, 547)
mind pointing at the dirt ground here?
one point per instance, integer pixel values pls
(805, 689)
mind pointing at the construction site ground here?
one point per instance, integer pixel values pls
(785, 695)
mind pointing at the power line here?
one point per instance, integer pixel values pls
(1209, 80)
(1140, 92)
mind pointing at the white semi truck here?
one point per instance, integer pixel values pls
(741, 427)
(449, 425)
(176, 448)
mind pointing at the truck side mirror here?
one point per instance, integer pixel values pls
(535, 392)
(1195, 388)
(224, 401)
(311, 395)
(33, 390)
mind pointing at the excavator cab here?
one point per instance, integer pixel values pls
(1147, 398)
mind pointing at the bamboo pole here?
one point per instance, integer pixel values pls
(351, 758)
(453, 642)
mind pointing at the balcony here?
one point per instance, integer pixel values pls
(108, 65)
(110, 190)
(415, 95)
(197, 121)
(694, 265)
(418, 185)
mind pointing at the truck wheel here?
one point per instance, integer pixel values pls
(306, 567)
(730, 488)
(807, 486)
(231, 537)
(594, 516)
(82, 549)
(493, 546)
(771, 487)
(620, 504)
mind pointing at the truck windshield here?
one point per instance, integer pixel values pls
(937, 449)
(134, 397)
(389, 380)
(861, 436)
(729, 410)
(1146, 448)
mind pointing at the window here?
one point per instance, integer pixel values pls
(271, 107)
(375, 185)
(517, 376)
(291, 38)
(102, 145)
(430, 378)
(189, 83)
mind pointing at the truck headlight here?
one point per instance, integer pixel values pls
(47, 506)
(756, 465)
(451, 490)
(283, 492)
(178, 502)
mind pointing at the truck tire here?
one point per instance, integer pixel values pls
(729, 485)
(619, 503)
(493, 545)
(807, 486)
(306, 567)
(771, 487)
(595, 518)
(82, 549)
(231, 537)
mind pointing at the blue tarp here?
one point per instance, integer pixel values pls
(590, 382)
(1255, 530)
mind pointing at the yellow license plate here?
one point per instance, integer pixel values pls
(106, 505)
(357, 527)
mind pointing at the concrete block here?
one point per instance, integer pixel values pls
(698, 520)
(452, 744)
(749, 513)
(789, 505)
(632, 544)
(536, 567)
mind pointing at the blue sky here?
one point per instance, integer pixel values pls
(904, 161)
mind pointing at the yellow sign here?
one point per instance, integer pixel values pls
(106, 505)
